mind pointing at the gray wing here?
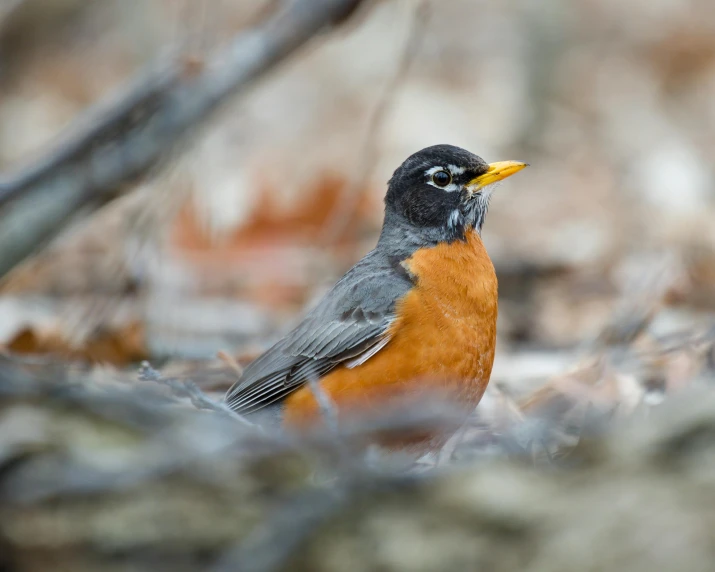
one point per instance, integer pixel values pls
(349, 324)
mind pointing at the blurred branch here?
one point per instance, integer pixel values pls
(328, 410)
(6, 8)
(644, 294)
(91, 476)
(122, 140)
(369, 152)
(544, 41)
(271, 546)
(185, 388)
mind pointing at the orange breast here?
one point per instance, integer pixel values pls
(442, 340)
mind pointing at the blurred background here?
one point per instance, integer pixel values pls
(281, 192)
(197, 255)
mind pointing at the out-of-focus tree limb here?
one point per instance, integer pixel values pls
(122, 140)
(369, 153)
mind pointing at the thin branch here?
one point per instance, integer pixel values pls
(327, 408)
(188, 389)
(369, 152)
(272, 544)
(231, 362)
(7, 7)
(643, 295)
(124, 139)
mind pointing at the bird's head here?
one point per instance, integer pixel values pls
(442, 192)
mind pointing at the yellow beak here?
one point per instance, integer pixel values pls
(496, 172)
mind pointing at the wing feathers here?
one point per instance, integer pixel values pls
(349, 326)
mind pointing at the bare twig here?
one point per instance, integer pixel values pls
(368, 155)
(6, 8)
(327, 407)
(272, 544)
(122, 140)
(188, 389)
(276, 540)
(643, 296)
(231, 362)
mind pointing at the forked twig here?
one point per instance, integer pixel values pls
(188, 389)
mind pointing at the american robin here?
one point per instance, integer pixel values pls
(417, 314)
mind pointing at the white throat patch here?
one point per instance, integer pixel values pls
(486, 192)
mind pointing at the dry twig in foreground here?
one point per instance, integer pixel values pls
(112, 478)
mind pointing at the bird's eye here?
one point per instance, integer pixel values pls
(442, 178)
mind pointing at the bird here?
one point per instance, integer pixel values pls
(415, 318)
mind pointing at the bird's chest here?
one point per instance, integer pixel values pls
(452, 311)
(441, 344)
(456, 286)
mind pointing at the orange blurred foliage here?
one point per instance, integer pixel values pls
(270, 258)
(116, 346)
